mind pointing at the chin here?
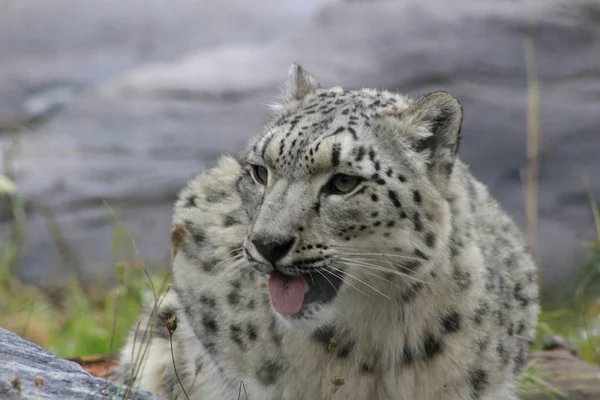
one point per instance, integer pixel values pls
(310, 317)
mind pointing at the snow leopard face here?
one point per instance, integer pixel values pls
(345, 194)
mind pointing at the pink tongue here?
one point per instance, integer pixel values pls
(287, 294)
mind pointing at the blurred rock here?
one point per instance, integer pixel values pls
(560, 375)
(29, 372)
(139, 133)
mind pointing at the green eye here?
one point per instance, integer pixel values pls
(260, 174)
(342, 184)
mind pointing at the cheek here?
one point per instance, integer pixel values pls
(346, 221)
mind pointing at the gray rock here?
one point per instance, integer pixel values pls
(59, 44)
(138, 134)
(29, 372)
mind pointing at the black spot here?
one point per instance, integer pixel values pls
(251, 304)
(210, 323)
(394, 198)
(451, 322)
(520, 360)
(197, 232)
(345, 349)
(372, 154)
(190, 201)
(521, 329)
(462, 278)
(366, 368)
(252, 331)
(503, 354)
(511, 329)
(230, 220)
(410, 265)
(523, 301)
(480, 313)
(360, 153)
(479, 381)
(339, 130)
(412, 292)
(430, 239)
(401, 178)
(374, 197)
(233, 298)
(208, 300)
(407, 356)
(420, 254)
(417, 221)
(210, 346)
(235, 333)
(216, 196)
(209, 264)
(335, 154)
(269, 371)
(432, 346)
(389, 172)
(417, 196)
(323, 334)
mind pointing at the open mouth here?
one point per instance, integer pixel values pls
(289, 293)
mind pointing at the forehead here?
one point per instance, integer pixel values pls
(316, 134)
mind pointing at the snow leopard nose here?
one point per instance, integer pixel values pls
(273, 248)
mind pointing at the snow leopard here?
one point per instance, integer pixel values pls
(347, 253)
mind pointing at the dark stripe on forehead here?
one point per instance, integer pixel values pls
(265, 142)
(335, 154)
(337, 131)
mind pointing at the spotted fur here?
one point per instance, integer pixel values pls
(429, 291)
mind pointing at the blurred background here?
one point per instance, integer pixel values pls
(108, 107)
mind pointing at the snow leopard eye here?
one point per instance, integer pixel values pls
(259, 174)
(342, 184)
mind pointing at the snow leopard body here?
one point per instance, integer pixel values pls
(418, 286)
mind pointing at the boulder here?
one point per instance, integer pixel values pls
(29, 372)
(562, 376)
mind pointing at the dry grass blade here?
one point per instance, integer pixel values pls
(533, 144)
(171, 325)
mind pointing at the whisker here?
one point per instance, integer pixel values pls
(366, 265)
(344, 280)
(372, 274)
(323, 275)
(234, 258)
(385, 255)
(361, 281)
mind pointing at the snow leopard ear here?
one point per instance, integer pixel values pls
(299, 83)
(433, 122)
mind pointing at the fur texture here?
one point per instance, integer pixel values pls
(419, 285)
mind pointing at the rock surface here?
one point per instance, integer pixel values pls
(156, 97)
(29, 372)
(568, 377)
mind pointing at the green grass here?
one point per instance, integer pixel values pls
(74, 319)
